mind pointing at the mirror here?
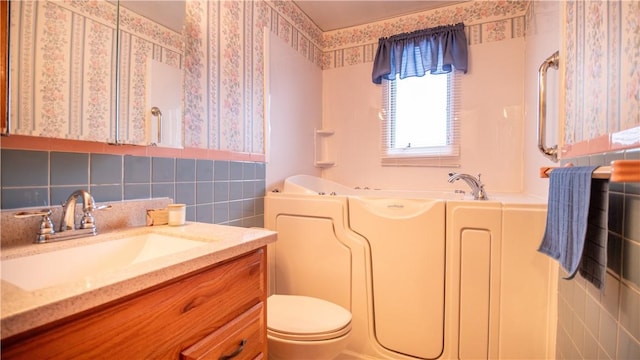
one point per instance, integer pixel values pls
(150, 76)
(80, 70)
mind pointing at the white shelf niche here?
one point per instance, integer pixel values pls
(323, 156)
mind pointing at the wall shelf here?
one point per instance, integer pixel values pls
(324, 164)
(324, 132)
(323, 158)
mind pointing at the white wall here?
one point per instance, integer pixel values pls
(294, 89)
(492, 124)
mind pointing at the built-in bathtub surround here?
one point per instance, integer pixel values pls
(215, 191)
(606, 325)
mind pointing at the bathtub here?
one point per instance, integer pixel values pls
(313, 185)
(425, 274)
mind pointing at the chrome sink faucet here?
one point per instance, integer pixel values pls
(69, 211)
(476, 185)
(68, 228)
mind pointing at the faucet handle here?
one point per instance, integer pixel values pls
(101, 207)
(27, 214)
(482, 195)
(46, 225)
(88, 221)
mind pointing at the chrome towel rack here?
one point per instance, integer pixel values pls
(552, 61)
(619, 171)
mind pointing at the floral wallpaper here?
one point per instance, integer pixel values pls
(294, 27)
(221, 54)
(56, 100)
(224, 57)
(224, 68)
(602, 69)
(224, 75)
(485, 21)
(63, 69)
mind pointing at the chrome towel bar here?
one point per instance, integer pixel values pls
(551, 61)
(619, 171)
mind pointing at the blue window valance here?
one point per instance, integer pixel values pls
(435, 50)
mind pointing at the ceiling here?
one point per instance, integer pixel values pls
(326, 14)
(338, 14)
(169, 13)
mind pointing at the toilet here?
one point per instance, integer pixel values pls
(302, 327)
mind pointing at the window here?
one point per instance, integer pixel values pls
(420, 126)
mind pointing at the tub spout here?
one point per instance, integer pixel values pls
(477, 187)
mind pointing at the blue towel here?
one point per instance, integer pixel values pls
(567, 216)
(593, 266)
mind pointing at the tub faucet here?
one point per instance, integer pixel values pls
(477, 187)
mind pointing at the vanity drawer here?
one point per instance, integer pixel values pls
(242, 338)
(158, 323)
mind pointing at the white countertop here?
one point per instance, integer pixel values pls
(22, 310)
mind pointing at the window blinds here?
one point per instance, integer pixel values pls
(435, 156)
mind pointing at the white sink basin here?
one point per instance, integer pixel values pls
(39, 271)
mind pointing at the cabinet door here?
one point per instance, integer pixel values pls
(63, 73)
(4, 7)
(158, 324)
(79, 70)
(241, 338)
(150, 73)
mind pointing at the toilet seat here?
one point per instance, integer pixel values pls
(303, 318)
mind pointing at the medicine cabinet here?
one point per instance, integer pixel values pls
(83, 70)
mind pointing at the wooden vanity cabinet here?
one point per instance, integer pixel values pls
(208, 314)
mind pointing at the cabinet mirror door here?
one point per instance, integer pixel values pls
(63, 69)
(150, 75)
(4, 66)
(80, 70)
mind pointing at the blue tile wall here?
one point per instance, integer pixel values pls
(185, 170)
(69, 169)
(215, 191)
(105, 169)
(26, 175)
(163, 170)
(137, 170)
(606, 325)
(204, 170)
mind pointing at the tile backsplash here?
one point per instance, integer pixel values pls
(215, 191)
(606, 325)
(121, 215)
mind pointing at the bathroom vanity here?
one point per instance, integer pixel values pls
(204, 302)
